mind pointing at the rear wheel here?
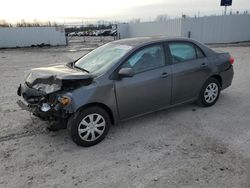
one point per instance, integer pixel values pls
(89, 126)
(210, 92)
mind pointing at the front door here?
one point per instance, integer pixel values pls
(150, 87)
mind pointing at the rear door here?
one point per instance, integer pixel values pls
(190, 69)
(150, 88)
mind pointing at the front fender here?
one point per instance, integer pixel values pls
(93, 94)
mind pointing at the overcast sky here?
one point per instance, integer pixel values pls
(87, 10)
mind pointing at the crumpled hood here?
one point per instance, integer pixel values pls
(51, 79)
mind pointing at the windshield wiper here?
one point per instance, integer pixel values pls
(80, 68)
(73, 66)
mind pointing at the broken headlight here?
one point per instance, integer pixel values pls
(64, 100)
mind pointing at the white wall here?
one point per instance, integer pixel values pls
(122, 31)
(218, 29)
(169, 28)
(211, 29)
(27, 36)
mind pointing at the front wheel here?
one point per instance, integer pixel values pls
(89, 126)
(210, 92)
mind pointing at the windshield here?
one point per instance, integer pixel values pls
(103, 58)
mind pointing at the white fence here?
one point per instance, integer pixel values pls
(28, 36)
(210, 29)
(170, 28)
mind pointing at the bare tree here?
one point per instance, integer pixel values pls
(3, 23)
(162, 18)
(136, 20)
(35, 23)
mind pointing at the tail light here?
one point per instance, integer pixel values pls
(231, 60)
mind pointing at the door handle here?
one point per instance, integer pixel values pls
(204, 65)
(164, 75)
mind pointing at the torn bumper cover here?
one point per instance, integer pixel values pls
(38, 104)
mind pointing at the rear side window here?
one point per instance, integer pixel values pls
(182, 52)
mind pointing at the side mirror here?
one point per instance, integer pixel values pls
(126, 72)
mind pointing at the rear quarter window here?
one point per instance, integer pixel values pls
(200, 53)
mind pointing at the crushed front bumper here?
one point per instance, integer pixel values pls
(53, 112)
(25, 106)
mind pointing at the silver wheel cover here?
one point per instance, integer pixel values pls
(211, 92)
(91, 127)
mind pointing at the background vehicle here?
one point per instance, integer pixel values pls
(72, 34)
(125, 79)
(105, 33)
(80, 34)
(113, 33)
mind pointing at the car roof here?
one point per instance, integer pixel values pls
(140, 41)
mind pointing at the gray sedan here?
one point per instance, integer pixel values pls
(124, 79)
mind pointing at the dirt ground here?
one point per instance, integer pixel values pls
(186, 146)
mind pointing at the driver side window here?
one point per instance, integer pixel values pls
(146, 59)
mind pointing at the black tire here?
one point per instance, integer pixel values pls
(203, 101)
(74, 124)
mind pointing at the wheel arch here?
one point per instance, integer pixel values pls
(100, 105)
(217, 77)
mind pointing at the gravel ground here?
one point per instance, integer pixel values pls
(186, 146)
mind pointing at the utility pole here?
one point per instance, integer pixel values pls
(226, 3)
(225, 13)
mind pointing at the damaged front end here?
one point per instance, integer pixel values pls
(46, 92)
(43, 105)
